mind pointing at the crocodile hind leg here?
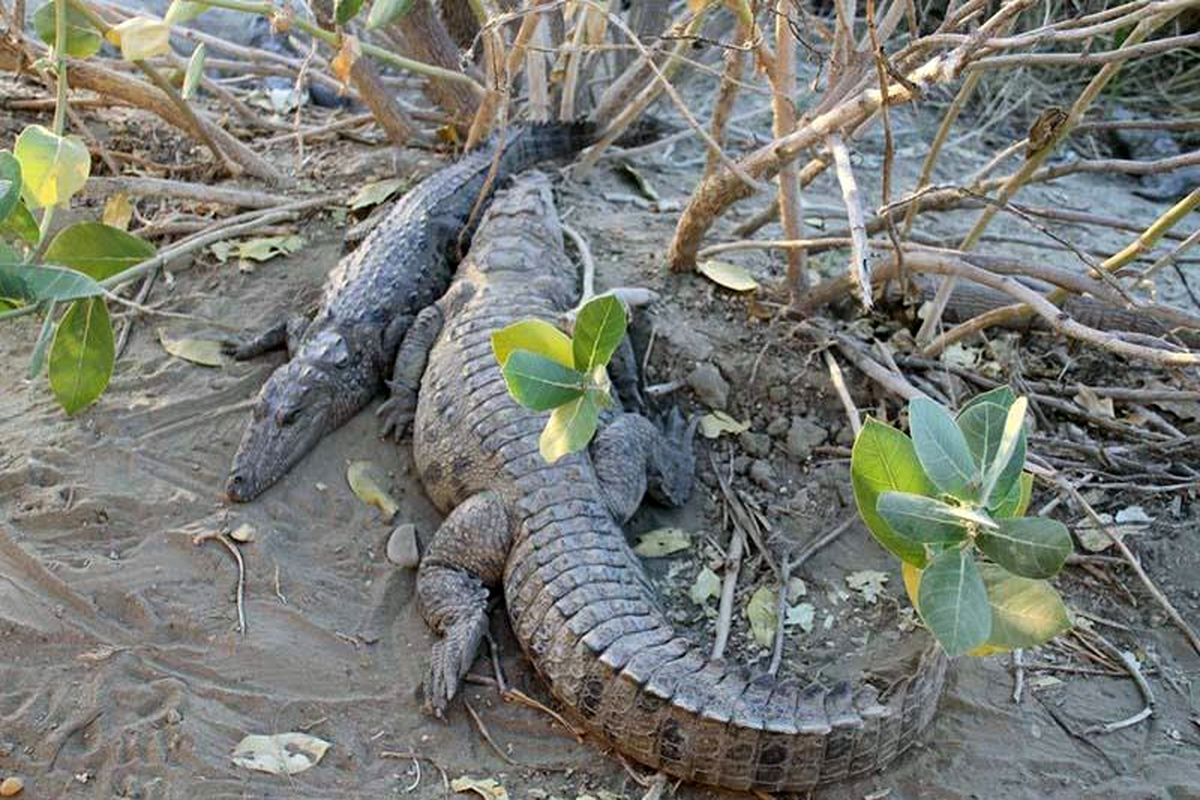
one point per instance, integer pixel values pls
(624, 373)
(632, 456)
(465, 560)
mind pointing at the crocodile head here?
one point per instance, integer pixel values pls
(306, 398)
(291, 414)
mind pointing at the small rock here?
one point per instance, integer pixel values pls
(777, 427)
(778, 393)
(741, 464)
(11, 786)
(763, 474)
(402, 546)
(803, 436)
(755, 444)
(709, 386)
(173, 716)
(845, 436)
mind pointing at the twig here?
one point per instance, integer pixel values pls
(781, 605)
(839, 385)
(1130, 664)
(1131, 560)
(1018, 675)
(733, 565)
(182, 190)
(783, 86)
(487, 736)
(814, 547)
(589, 263)
(512, 695)
(860, 265)
(201, 538)
(408, 754)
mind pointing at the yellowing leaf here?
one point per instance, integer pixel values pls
(706, 585)
(662, 542)
(536, 336)
(761, 613)
(270, 246)
(346, 56)
(372, 194)
(280, 753)
(487, 788)
(81, 357)
(731, 276)
(82, 38)
(715, 423)
(570, 427)
(367, 484)
(118, 211)
(195, 71)
(53, 168)
(141, 38)
(204, 352)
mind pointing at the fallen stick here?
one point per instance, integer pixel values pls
(201, 538)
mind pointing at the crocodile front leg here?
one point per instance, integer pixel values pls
(465, 560)
(398, 410)
(287, 332)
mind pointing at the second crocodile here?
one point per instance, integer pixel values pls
(578, 599)
(340, 359)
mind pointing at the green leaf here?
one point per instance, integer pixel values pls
(1025, 613)
(599, 328)
(1032, 547)
(942, 449)
(385, 11)
(953, 601)
(346, 10)
(539, 383)
(1002, 396)
(10, 184)
(81, 358)
(195, 71)
(883, 460)
(1015, 503)
(21, 224)
(1004, 470)
(97, 250)
(181, 11)
(536, 336)
(570, 428)
(37, 359)
(33, 283)
(921, 519)
(83, 39)
(53, 168)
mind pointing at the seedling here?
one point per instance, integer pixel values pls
(949, 502)
(545, 370)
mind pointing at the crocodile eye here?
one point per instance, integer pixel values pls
(286, 416)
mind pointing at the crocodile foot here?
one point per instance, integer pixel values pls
(398, 411)
(451, 658)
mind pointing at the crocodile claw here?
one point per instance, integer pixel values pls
(451, 658)
(397, 412)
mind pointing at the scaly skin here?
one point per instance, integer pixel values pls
(339, 360)
(578, 599)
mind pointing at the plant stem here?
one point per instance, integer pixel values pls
(331, 39)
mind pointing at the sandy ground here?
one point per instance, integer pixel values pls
(122, 674)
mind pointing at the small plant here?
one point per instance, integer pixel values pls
(67, 278)
(950, 503)
(545, 370)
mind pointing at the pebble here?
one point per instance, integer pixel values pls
(11, 786)
(778, 393)
(755, 444)
(778, 427)
(763, 474)
(741, 464)
(402, 546)
(803, 436)
(710, 387)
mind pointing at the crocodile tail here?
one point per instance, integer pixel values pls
(545, 141)
(593, 628)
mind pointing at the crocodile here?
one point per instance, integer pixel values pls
(549, 535)
(339, 360)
